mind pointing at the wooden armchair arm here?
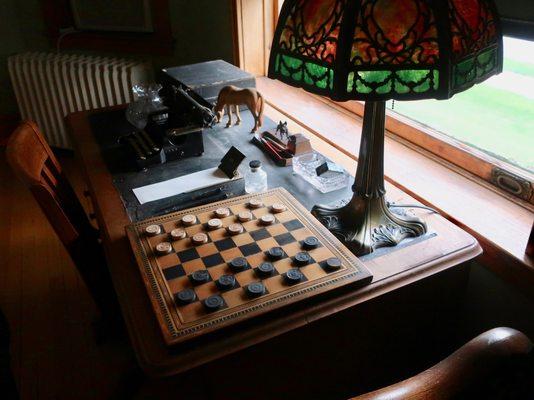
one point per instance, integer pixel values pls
(462, 370)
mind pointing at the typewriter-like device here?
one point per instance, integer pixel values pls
(175, 130)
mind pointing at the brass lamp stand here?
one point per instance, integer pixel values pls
(366, 222)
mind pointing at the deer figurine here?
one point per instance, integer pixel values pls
(232, 97)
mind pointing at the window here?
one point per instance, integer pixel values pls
(486, 131)
(496, 116)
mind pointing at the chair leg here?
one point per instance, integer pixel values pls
(8, 388)
(91, 264)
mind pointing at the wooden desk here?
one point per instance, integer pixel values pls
(450, 247)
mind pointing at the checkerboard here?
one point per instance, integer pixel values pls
(167, 275)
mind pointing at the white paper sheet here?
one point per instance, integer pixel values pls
(182, 184)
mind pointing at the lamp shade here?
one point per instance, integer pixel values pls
(386, 49)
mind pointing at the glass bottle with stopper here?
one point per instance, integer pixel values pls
(255, 178)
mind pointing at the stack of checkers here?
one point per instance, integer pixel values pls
(228, 256)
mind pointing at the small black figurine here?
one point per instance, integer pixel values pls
(282, 130)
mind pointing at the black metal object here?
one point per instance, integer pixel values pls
(207, 78)
(191, 108)
(173, 132)
(178, 136)
(231, 161)
(143, 151)
(328, 169)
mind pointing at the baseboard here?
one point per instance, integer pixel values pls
(8, 123)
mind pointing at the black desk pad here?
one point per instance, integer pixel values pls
(108, 126)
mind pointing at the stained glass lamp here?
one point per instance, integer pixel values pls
(376, 50)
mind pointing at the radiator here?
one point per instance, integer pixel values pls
(49, 86)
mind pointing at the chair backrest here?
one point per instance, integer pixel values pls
(34, 163)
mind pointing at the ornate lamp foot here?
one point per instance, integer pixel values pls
(366, 224)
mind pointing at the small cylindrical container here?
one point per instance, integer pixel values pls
(255, 178)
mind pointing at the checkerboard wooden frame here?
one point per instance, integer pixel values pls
(166, 275)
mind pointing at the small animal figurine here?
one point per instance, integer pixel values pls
(233, 96)
(282, 131)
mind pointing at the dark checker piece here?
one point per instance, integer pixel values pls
(238, 264)
(200, 276)
(255, 289)
(333, 264)
(293, 276)
(275, 253)
(302, 258)
(311, 242)
(265, 269)
(213, 303)
(226, 282)
(186, 296)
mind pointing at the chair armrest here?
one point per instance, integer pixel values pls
(466, 367)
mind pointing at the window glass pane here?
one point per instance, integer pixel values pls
(496, 116)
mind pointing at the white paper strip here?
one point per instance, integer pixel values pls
(182, 184)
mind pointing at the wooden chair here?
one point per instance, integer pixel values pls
(497, 364)
(33, 162)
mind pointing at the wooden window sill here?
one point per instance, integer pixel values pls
(501, 226)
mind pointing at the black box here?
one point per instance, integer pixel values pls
(208, 78)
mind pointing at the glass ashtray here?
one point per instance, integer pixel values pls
(306, 165)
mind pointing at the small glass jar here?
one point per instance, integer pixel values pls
(255, 178)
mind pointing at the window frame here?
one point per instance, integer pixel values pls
(456, 152)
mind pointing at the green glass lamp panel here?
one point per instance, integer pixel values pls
(464, 72)
(311, 29)
(304, 72)
(289, 67)
(486, 62)
(393, 82)
(395, 33)
(475, 68)
(384, 89)
(367, 82)
(318, 75)
(355, 85)
(374, 76)
(417, 81)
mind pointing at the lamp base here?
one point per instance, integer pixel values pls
(366, 224)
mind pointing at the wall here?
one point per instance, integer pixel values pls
(202, 30)
(12, 41)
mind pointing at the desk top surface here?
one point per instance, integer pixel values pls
(115, 206)
(108, 126)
